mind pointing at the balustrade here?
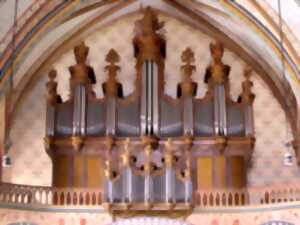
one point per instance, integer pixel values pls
(37, 196)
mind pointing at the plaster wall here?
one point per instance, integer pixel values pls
(250, 216)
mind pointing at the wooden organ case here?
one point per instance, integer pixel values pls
(148, 149)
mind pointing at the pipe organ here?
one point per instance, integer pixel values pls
(147, 148)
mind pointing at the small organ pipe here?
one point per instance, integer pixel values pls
(188, 116)
(149, 99)
(111, 116)
(220, 117)
(50, 120)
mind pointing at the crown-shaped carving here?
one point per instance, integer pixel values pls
(149, 43)
(188, 86)
(247, 85)
(112, 57)
(81, 52)
(112, 85)
(80, 71)
(188, 57)
(217, 51)
(149, 24)
(218, 70)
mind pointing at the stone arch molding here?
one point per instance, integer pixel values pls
(72, 31)
(150, 221)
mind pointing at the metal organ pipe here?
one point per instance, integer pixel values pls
(50, 120)
(150, 91)
(149, 98)
(76, 112)
(110, 189)
(155, 98)
(111, 115)
(188, 188)
(83, 111)
(127, 184)
(220, 118)
(170, 185)
(79, 113)
(188, 116)
(148, 188)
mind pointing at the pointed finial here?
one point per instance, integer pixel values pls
(248, 72)
(112, 57)
(188, 86)
(149, 24)
(52, 75)
(247, 95)
(188, 56)
(81, 52)
(52, 87)
(217, 51)
(111, 84)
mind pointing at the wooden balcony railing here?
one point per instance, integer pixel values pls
(35, 196)
(48, 196)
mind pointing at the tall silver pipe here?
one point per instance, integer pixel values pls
(144, 99)
(148, 188)
(83, 110)
(223, 114)
(79, 112)
(216, 112)
(155, 106)
(220, 117)
(188, 116)
(110, 194)
(76, 111)
(127, 184)
(169, 185)
(149, 98)
(50, 120)
(188, 191)
(111, 115)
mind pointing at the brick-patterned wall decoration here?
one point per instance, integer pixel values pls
(31, 165)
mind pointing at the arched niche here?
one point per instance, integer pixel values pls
(269, 72)
(63, 58)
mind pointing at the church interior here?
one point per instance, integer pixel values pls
(129, 112)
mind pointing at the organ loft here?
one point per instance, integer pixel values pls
(147, 150)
